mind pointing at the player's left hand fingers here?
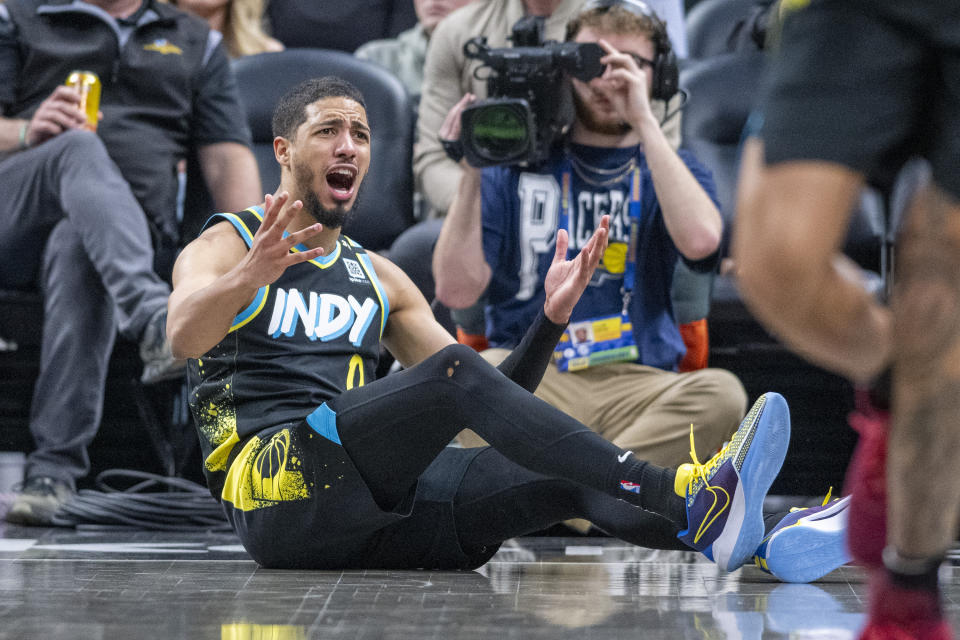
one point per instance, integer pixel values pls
(286, 215)
(593, 250)
(560, 252)
(271, 209)
(597, 249)
(297, 257)
(304, 234)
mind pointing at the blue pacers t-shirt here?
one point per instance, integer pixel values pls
(522, 211)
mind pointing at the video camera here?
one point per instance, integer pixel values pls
(521, 118)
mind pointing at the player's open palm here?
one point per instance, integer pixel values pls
(566, 279)
(270, 254)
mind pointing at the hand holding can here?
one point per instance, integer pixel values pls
(87, 83)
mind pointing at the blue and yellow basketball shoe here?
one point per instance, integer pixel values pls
(725, 494)
(807, 544)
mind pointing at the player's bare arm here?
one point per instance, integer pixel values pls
(216, 276)
(412, 333)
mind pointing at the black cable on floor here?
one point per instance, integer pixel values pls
(148, 501)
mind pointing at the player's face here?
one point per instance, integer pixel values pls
(594, 111)
(329, 158)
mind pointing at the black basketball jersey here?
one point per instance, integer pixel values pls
(304, 339)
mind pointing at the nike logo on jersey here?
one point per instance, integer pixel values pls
(623, 456)
(325, 317)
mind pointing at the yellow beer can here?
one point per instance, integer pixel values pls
(88, 84)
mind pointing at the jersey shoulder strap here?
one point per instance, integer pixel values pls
(245, 222)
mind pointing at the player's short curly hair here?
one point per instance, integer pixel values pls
(291, 112)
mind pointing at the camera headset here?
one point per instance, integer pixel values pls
(665, 72)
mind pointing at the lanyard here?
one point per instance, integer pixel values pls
(633, 209)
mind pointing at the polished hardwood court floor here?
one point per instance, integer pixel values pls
(59, 583)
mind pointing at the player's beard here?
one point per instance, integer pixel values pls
(330, 218)
(590, 122)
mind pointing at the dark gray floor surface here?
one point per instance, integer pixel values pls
(63, 583)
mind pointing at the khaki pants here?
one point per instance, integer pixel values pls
(643, 409)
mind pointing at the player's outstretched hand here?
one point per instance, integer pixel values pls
(567, 279)
(270, 254)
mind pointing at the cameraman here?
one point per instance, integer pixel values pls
(499, 235)
(448, 74)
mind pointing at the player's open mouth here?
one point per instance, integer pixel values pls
(341, 180)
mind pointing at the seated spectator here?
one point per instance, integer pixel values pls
(240, 22)
(404, 55)
(499, 238)
(90, 203)
(335, 24)
(448, 75)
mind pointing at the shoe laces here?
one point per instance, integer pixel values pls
(826, 500)
(761, 562)
(701, 471)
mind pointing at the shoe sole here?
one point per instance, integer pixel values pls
(767, 449)
(812, 547)
(30, 515)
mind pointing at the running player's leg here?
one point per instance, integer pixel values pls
(865, 117)
(926, 299)
(926, 381)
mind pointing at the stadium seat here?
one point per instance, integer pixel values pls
(338, 25)
(713, 26)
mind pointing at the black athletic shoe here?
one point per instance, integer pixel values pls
(37, 501)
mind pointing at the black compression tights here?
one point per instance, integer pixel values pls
(394, 427)
(498, 499)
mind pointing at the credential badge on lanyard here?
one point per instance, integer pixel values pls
(605, 339)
